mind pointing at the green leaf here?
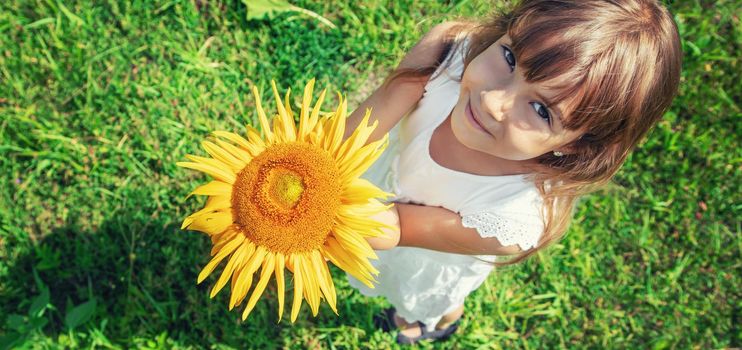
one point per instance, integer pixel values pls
(661, 344)
(71, 16)
(39, 23)
(259, 9)
(79, 314)
(16, 322)
(39, 303)
(48, 258)
(8, 341)
(38, 323)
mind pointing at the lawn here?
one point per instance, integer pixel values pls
(98, 103)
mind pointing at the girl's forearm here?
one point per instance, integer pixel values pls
(434, 228)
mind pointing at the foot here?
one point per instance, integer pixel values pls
(450, 318)
(403, 337)
(411, 333)
(410, 330)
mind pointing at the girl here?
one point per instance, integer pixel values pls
(510, 122)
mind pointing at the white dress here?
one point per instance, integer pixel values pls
(423, 284)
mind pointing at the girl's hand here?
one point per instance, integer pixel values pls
(391, 218)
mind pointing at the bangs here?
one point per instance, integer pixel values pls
(550, 51)
(599, 58)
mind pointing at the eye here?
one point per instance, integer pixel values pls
(542, 111)
(509, 57)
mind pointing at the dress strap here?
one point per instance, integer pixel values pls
(452, 67)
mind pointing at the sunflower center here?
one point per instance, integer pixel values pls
(286, 187)
(286, 198)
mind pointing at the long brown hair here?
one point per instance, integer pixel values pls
(621, 63)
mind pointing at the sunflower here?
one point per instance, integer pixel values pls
(291, 199)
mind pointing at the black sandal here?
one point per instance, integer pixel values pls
(437, 335)
(385, 320)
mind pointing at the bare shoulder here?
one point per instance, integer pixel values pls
(426, 52)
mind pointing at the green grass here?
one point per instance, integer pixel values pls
(98, 103)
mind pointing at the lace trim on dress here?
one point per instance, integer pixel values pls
(507, 231)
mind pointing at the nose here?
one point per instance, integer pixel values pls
(497, 103)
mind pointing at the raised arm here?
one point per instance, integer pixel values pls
(435, 228)
(421, 226)
(391, 102)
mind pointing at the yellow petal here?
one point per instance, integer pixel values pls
(311, 287)
(187, 221)
(253, 135)
(219, 246)
(362, 276)
(322, 129)
(213, 162)
(213, 203)
(278, 134)
(357, 163)
(265, 276)
(296, 261)
(241, 282)
(359, 188)
(353, 261)
(325, 124)
(223, 156)
(358, 138)
(220, 239)
(354, 242)
(334, 251)
(212, 223)
(355, 250)
(314, 116)
(239, 271)
(361, 224)
(286, 121)
(253, 264)
(255, 144)
(228, 249)
(234, 138)
(304, 113)
(217, 173)
(280, 283)
(325, 279)
(287, 104)
(371, 207)
(240, 154)
(261, 117)
(213, 188)
(218, 202)
(234, 261)
(335, 134)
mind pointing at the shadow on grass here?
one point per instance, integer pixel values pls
(142, 273)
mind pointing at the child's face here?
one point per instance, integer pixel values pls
(511, 118)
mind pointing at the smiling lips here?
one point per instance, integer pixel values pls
(473, 120)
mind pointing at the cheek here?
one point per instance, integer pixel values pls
(526, 141)
(523, 147)
(472, 78)
(480, 72)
